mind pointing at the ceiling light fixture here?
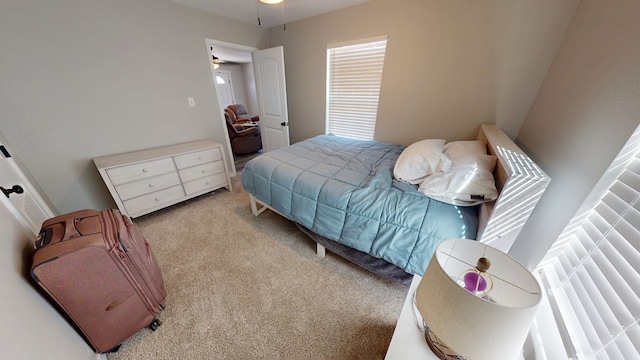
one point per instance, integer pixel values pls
(216, 61)
(271, 2)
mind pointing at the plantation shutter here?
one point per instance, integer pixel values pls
(354, 74)
(593, 272)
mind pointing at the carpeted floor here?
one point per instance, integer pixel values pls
(241, 287)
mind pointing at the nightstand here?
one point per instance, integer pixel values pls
(408, 341)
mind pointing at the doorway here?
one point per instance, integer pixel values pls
(235, 84)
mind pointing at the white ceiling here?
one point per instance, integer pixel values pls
(270, 15)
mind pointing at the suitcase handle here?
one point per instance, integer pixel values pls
(72, 225)
(46, 234)
(44, 237)
(70, 230)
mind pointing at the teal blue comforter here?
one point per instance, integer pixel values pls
(344, 190)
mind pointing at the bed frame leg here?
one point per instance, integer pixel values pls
(254, 206)
(320, 250)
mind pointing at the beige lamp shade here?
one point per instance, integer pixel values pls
(478, 328)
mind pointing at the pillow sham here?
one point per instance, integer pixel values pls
(420, 160)
(456, 150)
(470, 182)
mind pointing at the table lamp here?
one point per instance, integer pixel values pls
(476, 302)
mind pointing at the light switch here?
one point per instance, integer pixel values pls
(191, 101)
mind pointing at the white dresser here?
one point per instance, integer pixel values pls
(144, 181)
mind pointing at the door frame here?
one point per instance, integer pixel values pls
(218, 43)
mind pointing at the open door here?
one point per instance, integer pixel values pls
(271, 89)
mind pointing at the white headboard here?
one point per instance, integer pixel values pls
(520, 182)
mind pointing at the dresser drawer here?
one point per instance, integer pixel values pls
(198, 157)
(209, 182)
(197, 172)
(145, 186)
(141, 204)
(142, 170)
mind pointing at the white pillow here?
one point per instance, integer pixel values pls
(420, 160)
(460, 149)
(468, 183)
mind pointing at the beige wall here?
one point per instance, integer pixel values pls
(583, 114)
(250, 88)
(82, 79)
(450, 65)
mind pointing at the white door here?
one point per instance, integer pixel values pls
(30, 327)
(268, 66)
(224, 88)
(25, 202)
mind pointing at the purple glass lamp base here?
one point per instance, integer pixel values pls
(474, 282)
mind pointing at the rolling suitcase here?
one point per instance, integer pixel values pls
(100, 270)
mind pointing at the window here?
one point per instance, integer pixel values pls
(593, 270)
(354, 74)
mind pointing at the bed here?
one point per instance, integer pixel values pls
(347, 195)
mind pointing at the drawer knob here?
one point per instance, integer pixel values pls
(157, 199)
(150, 184)
(204, 171)
(145, 170)
(199, 157)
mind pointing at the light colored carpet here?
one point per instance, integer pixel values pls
(241, 287)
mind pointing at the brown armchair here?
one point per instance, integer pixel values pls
(239, 114)
(244, 139)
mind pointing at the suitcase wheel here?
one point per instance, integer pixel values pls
(155, 324)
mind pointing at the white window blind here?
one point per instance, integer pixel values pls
(354, 74)
(593, 270)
